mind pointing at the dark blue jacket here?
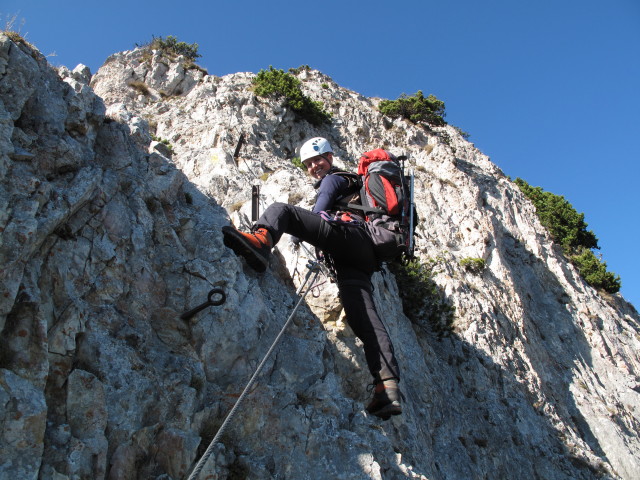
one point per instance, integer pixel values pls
(331, 189)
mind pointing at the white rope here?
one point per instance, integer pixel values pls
(313, 268)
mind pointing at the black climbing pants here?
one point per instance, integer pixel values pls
(352, 252)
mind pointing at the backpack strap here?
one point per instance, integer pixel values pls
(365, 209)
(355, 191)
(352, 178)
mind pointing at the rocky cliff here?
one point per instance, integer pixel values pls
(108, 234)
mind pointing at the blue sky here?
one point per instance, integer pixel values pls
(550, 89)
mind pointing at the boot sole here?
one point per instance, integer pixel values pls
(385, 413)
(243, 249)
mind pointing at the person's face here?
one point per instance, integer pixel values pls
(319, 165)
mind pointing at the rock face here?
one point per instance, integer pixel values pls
(112, 197)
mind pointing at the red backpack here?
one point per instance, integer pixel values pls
(383, 183)
(387, 202)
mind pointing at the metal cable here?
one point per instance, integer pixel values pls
(314, 267)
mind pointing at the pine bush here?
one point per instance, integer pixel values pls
(416, 108)
(279, 84)
(568, 228)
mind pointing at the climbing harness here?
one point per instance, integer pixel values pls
(209, 303)
(342, 218)
(314, 270)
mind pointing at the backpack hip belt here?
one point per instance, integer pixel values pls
(346, 218)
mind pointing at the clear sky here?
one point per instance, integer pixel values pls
(549, 89)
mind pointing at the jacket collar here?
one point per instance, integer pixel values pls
(331, 170)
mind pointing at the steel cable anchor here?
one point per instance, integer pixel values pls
(209, 303)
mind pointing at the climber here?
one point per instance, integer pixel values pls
(349, 249)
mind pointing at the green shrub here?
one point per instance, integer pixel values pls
(422, 301)
(300, 69)
(172, 48)
(473, 265)
(279, 84)
(164, 141)
(568, 228)
(565, 224)
(415, 108)
(462, 133)
(298, 163)
(594, 271)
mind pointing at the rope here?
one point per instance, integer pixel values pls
(313, 268)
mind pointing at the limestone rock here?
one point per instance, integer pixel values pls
(23, 416)
(112, 196)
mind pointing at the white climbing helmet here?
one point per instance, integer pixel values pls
(314, 147)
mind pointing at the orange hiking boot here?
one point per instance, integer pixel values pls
(386, 399)
(255, 247)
